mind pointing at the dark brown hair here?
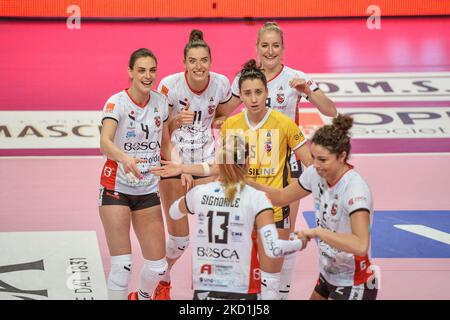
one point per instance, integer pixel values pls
(140, 53)
(196, 41)
(250, 71)
(335, 137)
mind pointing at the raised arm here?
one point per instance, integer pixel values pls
(322, 103)
(317, 97)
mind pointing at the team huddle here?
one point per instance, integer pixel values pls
(242, 185)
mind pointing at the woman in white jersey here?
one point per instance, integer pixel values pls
(286, 88)
(194, 96)
(344, 214)
(225, 264)
(134, 133)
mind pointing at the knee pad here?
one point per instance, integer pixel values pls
(270, 286)
(152, 272)
(176, 246)
(120, 273)
(155, 267)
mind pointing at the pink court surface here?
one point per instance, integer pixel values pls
(395, 81)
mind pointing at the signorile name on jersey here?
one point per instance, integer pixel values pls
(220, 201)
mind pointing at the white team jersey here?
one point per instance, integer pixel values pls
(138, 134)
(195, 142)
(333, 208)
(281, 96)
(223, 253)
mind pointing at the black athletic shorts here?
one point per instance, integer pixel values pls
(363, 291)
(134, 202)
(285, 223)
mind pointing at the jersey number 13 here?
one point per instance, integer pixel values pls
(221, 235)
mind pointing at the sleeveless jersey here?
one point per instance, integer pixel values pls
(333, 207)
(224, 252)
(138, 134)
(195, 142)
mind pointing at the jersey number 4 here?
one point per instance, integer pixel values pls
(219, 235)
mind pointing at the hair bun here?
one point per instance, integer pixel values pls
(250, 65)
(195, 35)
(343, 123)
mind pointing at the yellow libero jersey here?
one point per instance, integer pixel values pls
(270, 144)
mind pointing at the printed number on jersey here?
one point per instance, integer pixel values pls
(197, 116)
(221, 219)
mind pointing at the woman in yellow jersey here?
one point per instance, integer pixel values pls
(271, 137)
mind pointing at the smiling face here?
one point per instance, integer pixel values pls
(197, 63)
(270, 49)
(253, 94)
(143, 74)
(328, 165)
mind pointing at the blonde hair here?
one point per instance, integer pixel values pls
(270, 26)
(232, 171)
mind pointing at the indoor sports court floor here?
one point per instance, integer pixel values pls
(395, 81)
